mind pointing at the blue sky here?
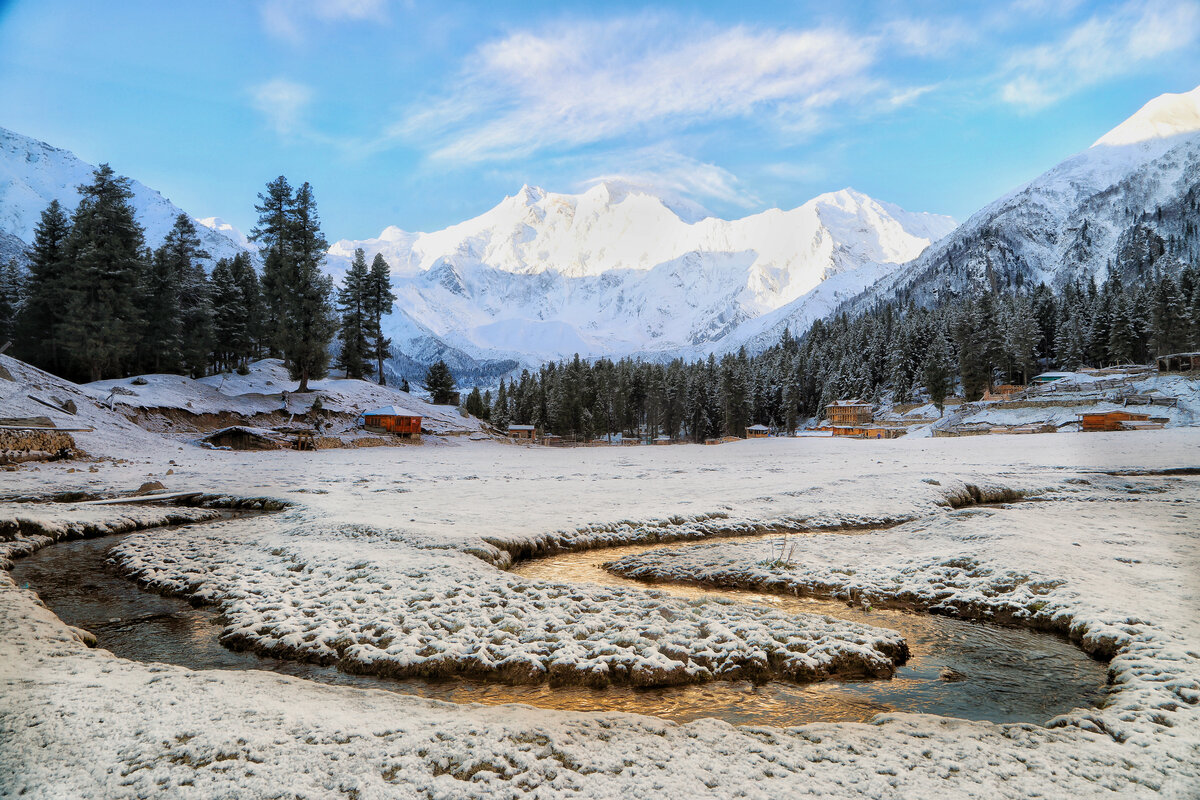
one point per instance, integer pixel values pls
(422, 114)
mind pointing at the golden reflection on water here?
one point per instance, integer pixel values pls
(1009, 675)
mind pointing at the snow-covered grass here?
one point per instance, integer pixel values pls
(259, 392)
(416, 518)
(26, 527)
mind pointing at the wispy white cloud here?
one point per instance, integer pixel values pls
(674, 176)
(587, 82)
(929, 38)
(288, 19)
(1098, 49)
(283, 103)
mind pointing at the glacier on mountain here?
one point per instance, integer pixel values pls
(616, 271)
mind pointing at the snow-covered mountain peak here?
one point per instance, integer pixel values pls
(615, 269)
(1163, 117)
(32, 173)
(229, 231)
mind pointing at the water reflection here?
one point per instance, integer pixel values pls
(1010, 675)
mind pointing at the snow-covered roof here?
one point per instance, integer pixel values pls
(391, 411)
(758, 428)
(520, 427)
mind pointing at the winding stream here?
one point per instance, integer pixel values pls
(959, 669)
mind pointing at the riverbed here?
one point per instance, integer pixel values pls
(957, 668)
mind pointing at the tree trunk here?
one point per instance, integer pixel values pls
(303, 387)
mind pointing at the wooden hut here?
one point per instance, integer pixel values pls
(1179, 362)
(757, 432)
(393, 420)
(240, 437)
(1117, 421)
(526, 433)
(1005, 391)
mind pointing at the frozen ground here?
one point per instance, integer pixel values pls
(260, 393)
(432, 521)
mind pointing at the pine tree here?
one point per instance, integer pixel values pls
(250, 341)
(196, 318)
(500, 417)
(404, 387)
(1021, 337)
(12, 293)
(176, 329)
(296, 293)
(353, 306)
(439, 383)
(39, 325)
(474, 404)
(1121, 335)
(379, 304)
(161, 334)
(104, 252)
(276, 223)
(1167, 322)
(230, 334)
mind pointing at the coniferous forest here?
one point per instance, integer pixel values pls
(900, 352)
(97, 303)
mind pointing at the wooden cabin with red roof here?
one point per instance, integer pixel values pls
(393, 420)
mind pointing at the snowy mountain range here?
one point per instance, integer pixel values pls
(1127, 205)
(617, 270)
(32, 173)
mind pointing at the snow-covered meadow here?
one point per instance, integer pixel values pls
(435, 525)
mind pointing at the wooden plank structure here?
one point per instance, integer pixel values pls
(867, 431)
(393, 420)
(1179, 362)
(18, 445)
(757, 432)
(157, 497)
(1005, 391)
(240, 437)
(1119, 421)
(848, 412)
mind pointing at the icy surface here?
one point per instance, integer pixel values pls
(1129, 586)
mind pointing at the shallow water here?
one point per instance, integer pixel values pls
(1008, 675)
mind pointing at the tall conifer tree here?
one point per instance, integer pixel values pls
(105, 255)
(354, 323)
(379, 298)
(307, 311)
(12, 294)
(276, 213)
(39, 324)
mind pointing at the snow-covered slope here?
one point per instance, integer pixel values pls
(615, 270)
(1127, 203)
(32, 173)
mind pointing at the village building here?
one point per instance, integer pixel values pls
(1119, 421)
(1005, 391)
(848, 412)
(1179, 362)
(393, 420)
(241, 437)
(1050, 377)
(525, 432)
(757, 432)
